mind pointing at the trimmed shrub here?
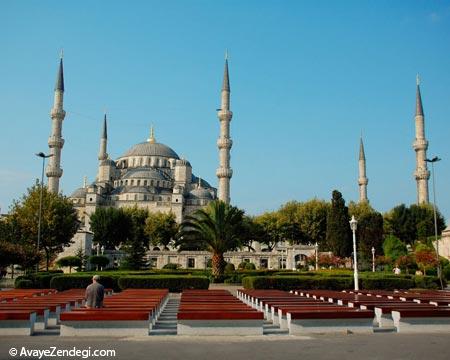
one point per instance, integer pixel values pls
(229, 268)
(385, 283)
(41, 280)
(297, 282)
(173, 283)
(24, 284)
(66, 282)
(171, 266)
(428, 282)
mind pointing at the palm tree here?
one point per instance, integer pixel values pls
(216, 228)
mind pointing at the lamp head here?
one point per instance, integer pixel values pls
(353, 223)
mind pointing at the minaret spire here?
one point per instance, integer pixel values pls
(102, 154)
(55, 141)
(224, 143)
(420, 146)
(362, 180)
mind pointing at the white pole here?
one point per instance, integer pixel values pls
(373, 259)
(317, 256)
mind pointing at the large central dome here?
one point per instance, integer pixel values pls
(149, 148)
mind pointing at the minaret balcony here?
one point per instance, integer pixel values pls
(225, 115)
(422, 174)
(59, 114)
(54, 172)
(420, 144)
(224, 172)
(54, 141)
(363, 181)
(224, 143)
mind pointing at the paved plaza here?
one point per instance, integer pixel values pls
(374, 346)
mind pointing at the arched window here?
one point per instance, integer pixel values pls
(145, 182)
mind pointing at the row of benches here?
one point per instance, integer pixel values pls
(20, 310)
(216, 312)
(306, 315)
(132, 312)
(406, 311)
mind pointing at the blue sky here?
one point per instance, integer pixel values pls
(307, 78)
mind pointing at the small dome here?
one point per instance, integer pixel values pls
(143, 173)
(79, 193)
(200, 193)
(148, 148)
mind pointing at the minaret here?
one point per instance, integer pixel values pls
(224, 143)
(55, 141)
(420, 145)
(362, 180)
(102, 154)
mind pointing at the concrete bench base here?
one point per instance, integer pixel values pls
(18, 327)
(118, 328)
(421, 324)
(220, 327)
(320, 326)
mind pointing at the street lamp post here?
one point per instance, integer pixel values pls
(353, 226)
(317, 255)
(373, 259)
(43, 156)
(432, 161)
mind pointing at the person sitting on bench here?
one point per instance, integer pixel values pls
(95, 294)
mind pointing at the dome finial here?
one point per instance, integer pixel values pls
(85, 181)
(417, 79)
(152, 135)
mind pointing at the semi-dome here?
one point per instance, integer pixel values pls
(143, 173)
(148, 148)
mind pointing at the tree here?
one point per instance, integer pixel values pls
(69, 261)
(110, 226)
(100, 261)
(338, 228)
(289, 225)
(135, 245)
(218, 227)
(393, 247)
(370, 228)
(161, 228)
(59, 222)
(413, 223)
(268, 229)
(312, 219)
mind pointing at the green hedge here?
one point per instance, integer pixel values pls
(428, 282)
(24, 284)
(297, 282)
(367, 282)
(173, 283)
(385, 283)
(41, 280)
(66, 282)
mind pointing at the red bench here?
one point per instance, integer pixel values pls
(17, 322)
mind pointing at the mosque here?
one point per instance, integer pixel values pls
(150, 175)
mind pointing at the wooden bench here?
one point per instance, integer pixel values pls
(330, 321)
(422, 320)
(17, 322)
(97, 322)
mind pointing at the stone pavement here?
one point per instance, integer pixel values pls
(333, 347)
